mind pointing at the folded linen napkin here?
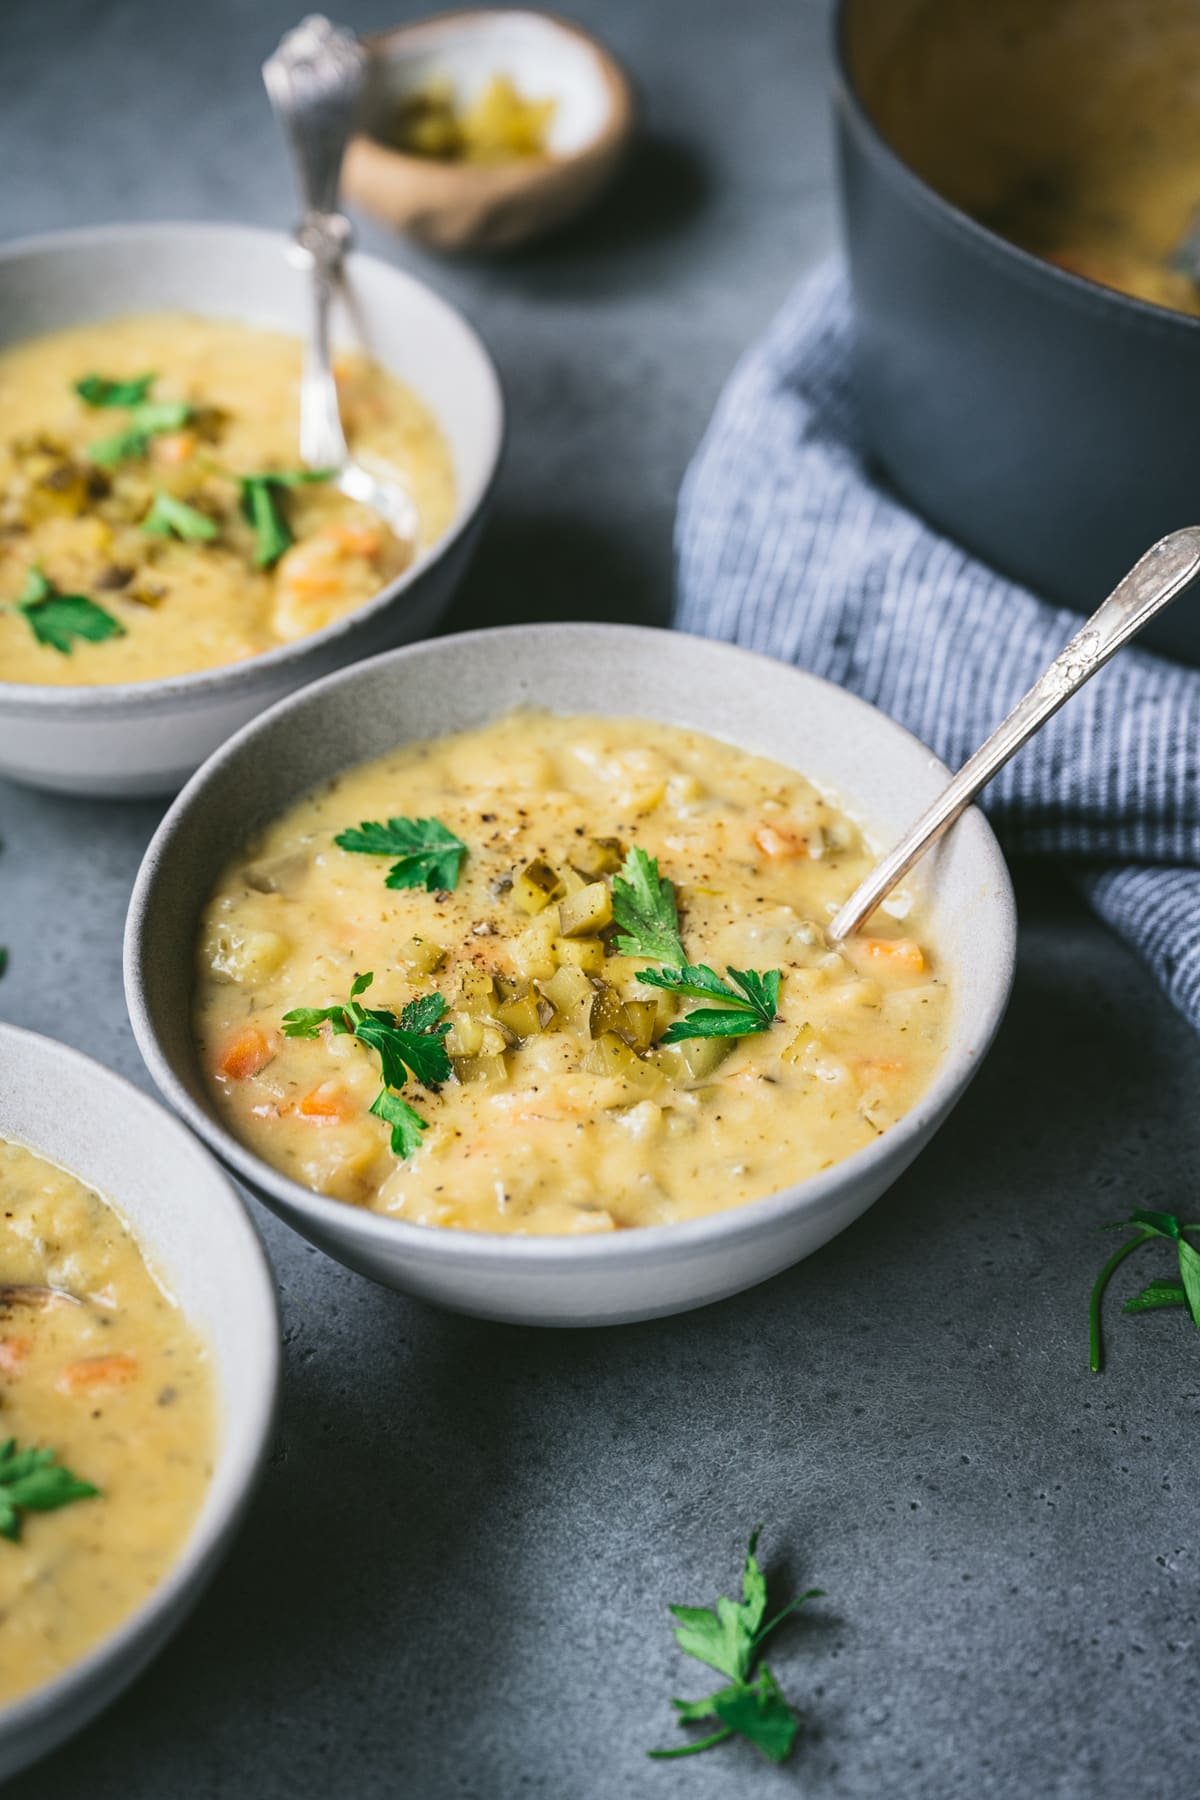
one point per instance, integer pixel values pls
(786, 543)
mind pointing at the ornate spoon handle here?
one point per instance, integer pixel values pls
(315, 81)
(1159, 577)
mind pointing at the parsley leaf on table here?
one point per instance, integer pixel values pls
(728, 1638)
(644, 908)
(746, 1007)
(34, 1481)
(1186, 1292)
(99, 390)
(56, 620)
(411, 1044)
(428, 854)
(263, 507)
(148, 420)
(171, 517)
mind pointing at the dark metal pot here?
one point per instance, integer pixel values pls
(1050, 425)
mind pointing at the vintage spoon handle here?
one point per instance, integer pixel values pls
(315, 81)
(1156, 579)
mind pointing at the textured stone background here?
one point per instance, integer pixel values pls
(453, 1582)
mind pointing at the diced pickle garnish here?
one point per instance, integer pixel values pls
(476, 991)
(533, 954)
(473, 1069)
(611, 1055)
(584, 953)
(692, 1060)
(523, 1017)
(421, 956)
(536, 886)
(587, 912)
(598, 856)
(465, 1036)
(573, 998)
(640, 1021)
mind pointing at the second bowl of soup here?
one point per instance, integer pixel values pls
(607, 1064)
(167, 566)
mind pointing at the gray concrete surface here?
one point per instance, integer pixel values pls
(454, 1581)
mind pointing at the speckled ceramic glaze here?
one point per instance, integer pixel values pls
(196, 1235)
(877, 771)
(146, 738)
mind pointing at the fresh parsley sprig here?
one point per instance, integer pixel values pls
(427, 853)
(102, 390)
(644, 908)
(56, 620)
(411, 1044)
(729, 1638)
(262, 505)
(169, 517)
(1185, 1292)
(747, 1000)
(34, 1481)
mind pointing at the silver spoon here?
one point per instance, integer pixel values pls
(315, 81)
(1159, 577)
(22, 1293)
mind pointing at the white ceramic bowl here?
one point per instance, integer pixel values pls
(147, 737)
(188, 1218)
(882, 775)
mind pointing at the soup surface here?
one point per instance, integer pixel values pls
(118, 1388)
(562, 1104)
(134, 500)
(1070, 128)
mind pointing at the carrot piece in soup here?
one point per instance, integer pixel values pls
(13, 1352)
(328, 1101)
(250, 1051)
(904, 955)
(95, 1372)
(777, 845)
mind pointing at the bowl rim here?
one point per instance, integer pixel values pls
(198, 687)
(647, 1245)
(209, 1538)
(1090, 296)
(484, 177)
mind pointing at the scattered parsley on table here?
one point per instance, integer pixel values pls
(729, 1638)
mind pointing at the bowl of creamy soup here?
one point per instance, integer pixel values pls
(138, 1369)
(168, 566)
(512, 986)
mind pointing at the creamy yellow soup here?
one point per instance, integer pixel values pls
(1071, 127)
(117, 1384)
(565, 1110)
(103, 523)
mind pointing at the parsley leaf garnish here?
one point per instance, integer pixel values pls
(428, 853)
(34, 1481)
(169, 516)
(411, 1044)
(729, 1638)
(1185, 1292)
(98, 390)
(148, 420)
(56, 620)
(644, 907)
(263, 506)
(747, 1006)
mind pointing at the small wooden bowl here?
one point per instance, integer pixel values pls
(472, 206)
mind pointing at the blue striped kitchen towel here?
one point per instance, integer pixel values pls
(785, 543)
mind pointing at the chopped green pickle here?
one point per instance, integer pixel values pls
(535, 887)
(584, 953)
(694, 1059)
(587, 912)
(421, 957)
(598, 856)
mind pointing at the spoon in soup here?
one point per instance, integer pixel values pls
(22, 1293)
(315, 81)
(1155, 580)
